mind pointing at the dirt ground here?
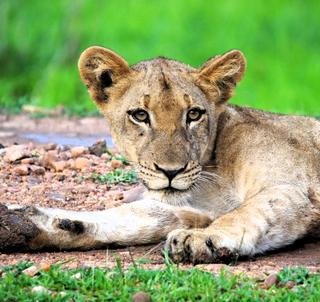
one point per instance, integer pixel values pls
(48, 161)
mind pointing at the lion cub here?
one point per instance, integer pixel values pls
(220, 179)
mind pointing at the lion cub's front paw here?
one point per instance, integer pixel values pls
(195, 247)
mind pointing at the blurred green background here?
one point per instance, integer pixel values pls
(40, 42)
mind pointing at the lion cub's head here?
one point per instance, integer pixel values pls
(162, 113)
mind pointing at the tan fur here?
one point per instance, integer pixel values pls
(253, 176)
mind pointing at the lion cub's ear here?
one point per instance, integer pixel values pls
(222, 73)
(99, 69)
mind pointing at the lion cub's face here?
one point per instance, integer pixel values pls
(163, 114)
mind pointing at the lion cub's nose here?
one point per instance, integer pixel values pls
(171, 174)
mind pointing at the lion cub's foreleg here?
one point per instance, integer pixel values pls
(267, 221)
(140, 222)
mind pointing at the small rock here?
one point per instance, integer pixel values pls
(62, 148)
(16, 152)
(71, 164)
(22, 170)
(291, 284)
(50, 146)
(45, 266)
(33, 180)
(115, 163)
(141, 297)
(98, 148)
(82, 163)
(271, 280)
(38, 170)
(59, 166)
(76, 276)
(106, 156)
(31, 271)
(78, 151)
(100, 207)
(63, 294)
(49, 158)
(55, 196)
(40, 290)
(28, 161)
(61, 177)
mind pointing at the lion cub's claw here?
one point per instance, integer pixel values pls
(196, 247)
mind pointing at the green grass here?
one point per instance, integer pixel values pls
(170, 284)
(118, 176)
(42, 40)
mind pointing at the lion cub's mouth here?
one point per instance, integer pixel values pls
(157, 180)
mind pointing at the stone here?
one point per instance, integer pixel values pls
(76, 276)
(115, 163)
(31, 271)
(37, 170)
(82, 163)
(59, 166)
(40, 289)
(55, 196)
(22, 170)
(141, 297)
(106, 156)
(290, 284)
(50, 146)
(45, 266)
(16, 152)
(271, 280)
(28, 161)
(78, 151)
(49, 158)
(98, 148)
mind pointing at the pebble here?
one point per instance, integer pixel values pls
(59, 166)
(50, 146)
(22, 170)
(55, 196)
(76, 276)
(31, 271)
(45, 266)
(141, 297)
(98, 148)
(28, 161)
(271, 280)
(49, 158)
(115, 163)
(82, 163)
(106, 156)
(33, 180)
(78, 151)
(16, 152)
(38, 170)
(291, 284)
(40, 289)
(71, 164)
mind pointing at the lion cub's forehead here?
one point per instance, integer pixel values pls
(166, 85)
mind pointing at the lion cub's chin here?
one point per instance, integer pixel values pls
(170, 195)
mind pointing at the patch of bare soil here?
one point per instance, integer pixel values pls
(56, 175)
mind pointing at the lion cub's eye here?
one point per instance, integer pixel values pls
(139, 115)
(194, 114)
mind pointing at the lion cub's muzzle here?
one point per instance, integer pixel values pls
(160, 177)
